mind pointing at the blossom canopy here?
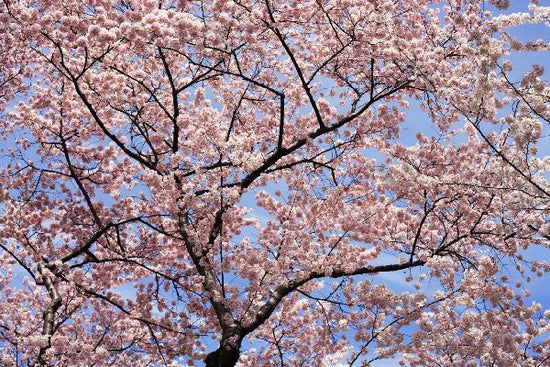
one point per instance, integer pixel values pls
(272, 183)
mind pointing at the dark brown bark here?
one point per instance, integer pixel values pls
(226, 355)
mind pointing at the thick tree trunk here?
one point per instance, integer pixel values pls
(228, 352)
(222, 357)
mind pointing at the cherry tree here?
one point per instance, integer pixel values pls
(228, 183)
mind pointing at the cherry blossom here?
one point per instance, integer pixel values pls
(228, 183)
